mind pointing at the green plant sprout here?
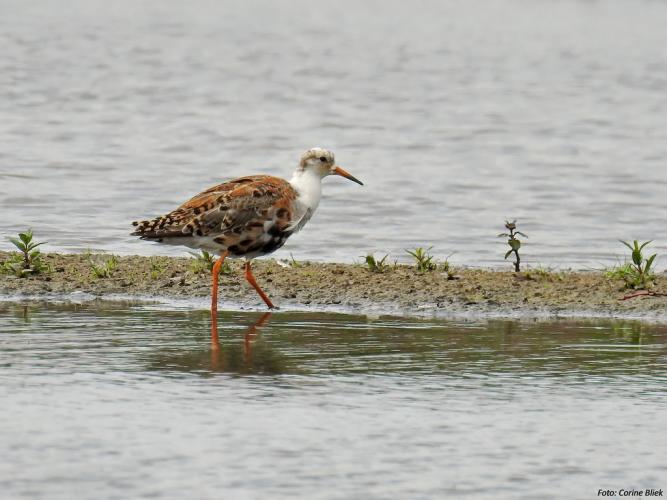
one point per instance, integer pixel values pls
(105, 269)
(205, 261)
(157, 267)
(29, 259)
(447, 268)
(423, 260)
(619, 271)
(376, 266)
(637, 274)
(513, 242)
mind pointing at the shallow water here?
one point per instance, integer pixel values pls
(455, 115)
(128, 401)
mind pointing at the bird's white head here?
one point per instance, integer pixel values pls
(322, 162)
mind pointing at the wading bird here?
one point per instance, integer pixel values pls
(245, 218)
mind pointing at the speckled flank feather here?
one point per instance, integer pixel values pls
(248, 216)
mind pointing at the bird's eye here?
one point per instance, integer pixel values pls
(323, 159)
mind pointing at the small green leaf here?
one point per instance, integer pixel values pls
(35, 245)
(18, 244)
(627, 244)
(509, 252)
(26, 237)
(644, 244)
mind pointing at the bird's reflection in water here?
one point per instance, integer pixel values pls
(252, 356)
(229, 359)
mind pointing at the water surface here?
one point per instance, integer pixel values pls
(129, 401)
(455, 114)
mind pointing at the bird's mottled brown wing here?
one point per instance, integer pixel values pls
(222, 209)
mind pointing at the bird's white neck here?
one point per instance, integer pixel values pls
(308, 184)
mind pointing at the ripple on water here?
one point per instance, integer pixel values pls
(488, 130)
(323, 405)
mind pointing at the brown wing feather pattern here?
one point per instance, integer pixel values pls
(232, 214)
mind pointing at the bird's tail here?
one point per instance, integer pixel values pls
(163, 226)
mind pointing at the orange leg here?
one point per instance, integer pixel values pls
(251, 280)
(215, 343)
